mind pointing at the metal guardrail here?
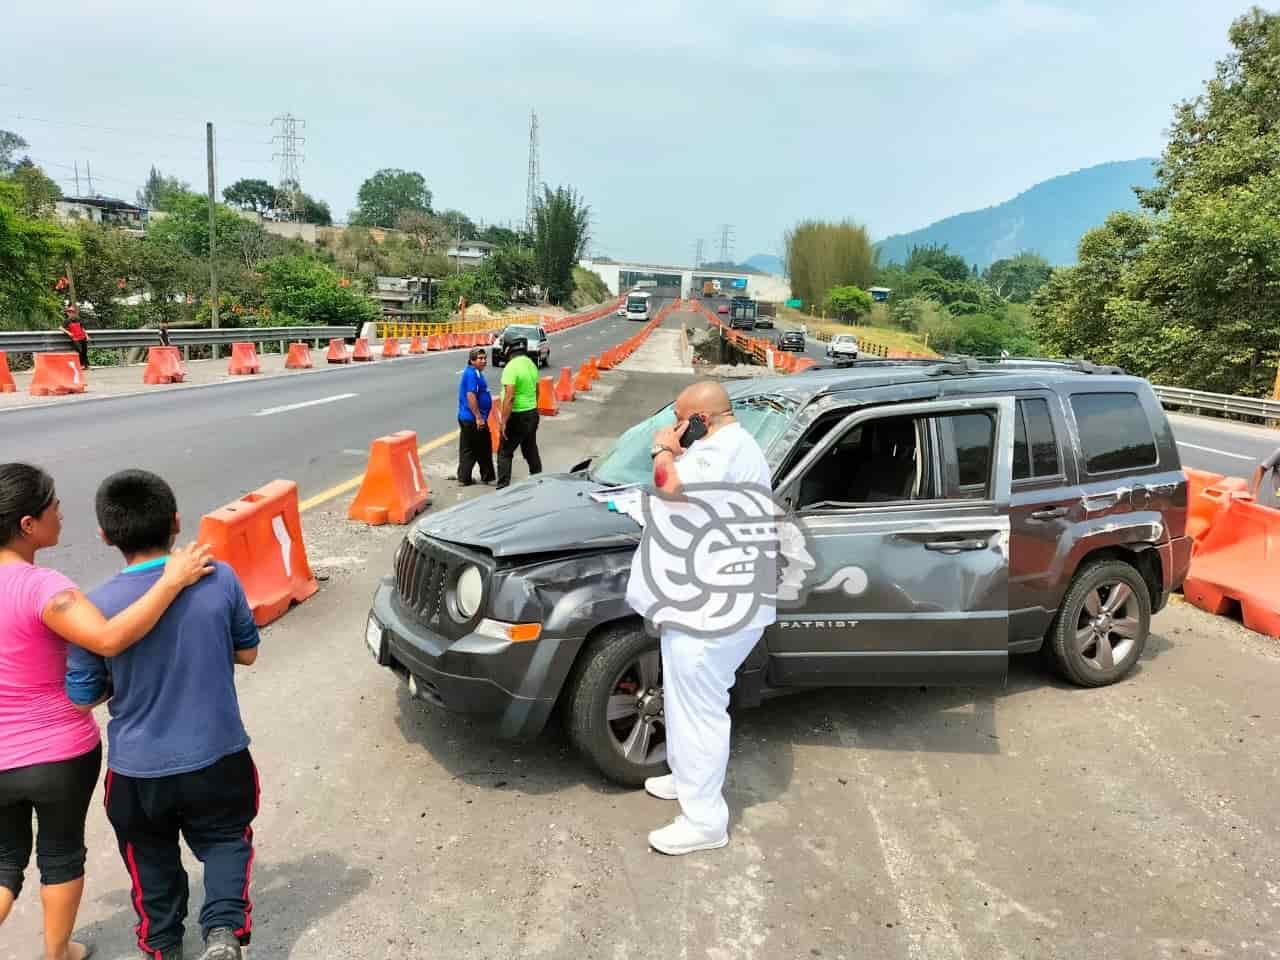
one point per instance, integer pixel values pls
(1248, 407)
(47, 341)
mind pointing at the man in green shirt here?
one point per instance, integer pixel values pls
(519, 412)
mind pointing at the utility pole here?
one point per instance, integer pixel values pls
(534, 176)
(89, 173)
(77, 169)
(213, 238)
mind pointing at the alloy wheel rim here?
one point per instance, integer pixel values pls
(1108, 627)
(635, 711)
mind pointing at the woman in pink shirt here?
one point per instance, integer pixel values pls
(50, 752)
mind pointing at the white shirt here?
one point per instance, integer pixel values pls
(731, 459)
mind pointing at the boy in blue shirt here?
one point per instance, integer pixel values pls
(178, 760)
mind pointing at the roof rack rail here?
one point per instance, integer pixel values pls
(1074, 363)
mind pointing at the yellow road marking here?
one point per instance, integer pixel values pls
(325, 496)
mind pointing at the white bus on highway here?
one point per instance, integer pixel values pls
(638, 305)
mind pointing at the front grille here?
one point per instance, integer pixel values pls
(422, 577)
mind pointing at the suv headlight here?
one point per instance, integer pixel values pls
(469, 591)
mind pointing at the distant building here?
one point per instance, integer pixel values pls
(880, 294)
(113, 213)
(400, 295)
(473, 251)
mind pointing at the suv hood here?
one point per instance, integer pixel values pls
(549, 513)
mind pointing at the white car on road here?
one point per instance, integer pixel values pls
(843, 347)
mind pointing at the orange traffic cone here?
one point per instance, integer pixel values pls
(495, 433)
(582, 382)
(547, 405)
(299, 357)
(390, 348)
(564, 386)
(6, 378)
(338, 351)
(361, 351)
(415, 345)
(393, 489)
(244, 359)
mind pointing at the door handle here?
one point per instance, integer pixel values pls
(948, 546)
(1052, 513)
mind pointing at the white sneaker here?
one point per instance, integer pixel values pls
(664, 788)
(680, 837)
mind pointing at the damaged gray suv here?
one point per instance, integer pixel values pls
(995, 508)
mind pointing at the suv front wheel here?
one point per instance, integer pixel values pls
(1102, 626)
(614, 709)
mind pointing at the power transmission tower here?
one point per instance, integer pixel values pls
(535, 175)
(726, 243)
(697, 255)
(290, 157)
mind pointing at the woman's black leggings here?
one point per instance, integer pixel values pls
(59, 793)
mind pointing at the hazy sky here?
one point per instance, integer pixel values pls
(670, 118)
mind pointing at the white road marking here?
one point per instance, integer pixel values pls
(1221, 453)
(308, 403)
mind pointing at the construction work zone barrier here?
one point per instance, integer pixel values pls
(394, 489)
(244, 360)
(495, 433)
(56, 374)
(361, 352)
(260, 537)
(582, 382)
(564, 386)
(6, 378)
(415, 345)
(390, 348)
(593, 368)
(299, 357)
(1236, 555)
(338, 352)
(547, 405)
(758, 349)
(164, 365)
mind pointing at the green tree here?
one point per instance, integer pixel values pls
(481, 285)
(1016, 279)
(515, 267)
(39, 192)
(821, 255)
(33, 253)
(10, 144)
(560, 236)
(933, 257)
(302, 291)
(258, 195)
(187, 225)
(426, 230)
(389, 192)
(848, 303)
(314, 211)
(161, 192)
(502, 237)
(105, 258)
(457, 224)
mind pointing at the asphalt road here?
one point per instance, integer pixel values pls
(217, 443)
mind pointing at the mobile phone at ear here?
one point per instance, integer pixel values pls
(696, 430)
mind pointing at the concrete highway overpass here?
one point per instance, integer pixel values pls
(620, 276)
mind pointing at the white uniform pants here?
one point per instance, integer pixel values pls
(697, 675)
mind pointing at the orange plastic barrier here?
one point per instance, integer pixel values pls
(606, 360)
(56, 374)
(390, 348)
(361, 351)
(260, 536)
(593, 368)
(582, 382)
(394, 489)
(299, 357)
(1207, 494)
(338, 352)
(436, 341)
(244, 359)
(415, 345)
(547, 405)
(1236, 562)
(6, 378)
(164, 365)
(495, 433)
(564, 386)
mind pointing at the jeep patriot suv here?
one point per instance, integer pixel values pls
(994, 507)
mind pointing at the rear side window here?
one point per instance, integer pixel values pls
(1115, 433)
(1035, 446)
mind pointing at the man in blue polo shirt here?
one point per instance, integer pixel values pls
(178, 755)
(475, 445)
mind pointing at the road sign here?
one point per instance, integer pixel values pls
(740, 283)
(795, 304)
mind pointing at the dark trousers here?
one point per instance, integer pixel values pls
(522, 433)
(475, 447)
(82, 348)
(59, 794)
(213, 810)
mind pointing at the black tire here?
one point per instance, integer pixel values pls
(603, 662)
(1076, 631)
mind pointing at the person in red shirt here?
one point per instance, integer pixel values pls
(80, 339)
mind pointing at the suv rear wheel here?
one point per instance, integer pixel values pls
(614, 710)
(1102, 627)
